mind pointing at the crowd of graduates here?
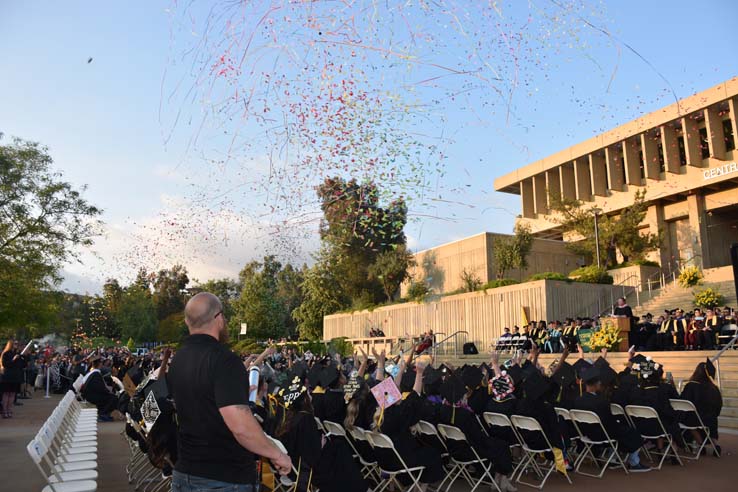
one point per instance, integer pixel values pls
(294, 395)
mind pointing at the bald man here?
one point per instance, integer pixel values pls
(218, 436)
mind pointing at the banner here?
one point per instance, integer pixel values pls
(584, 337)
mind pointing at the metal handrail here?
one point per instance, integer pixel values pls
(716, 359)
(435, 346)
(598, 303)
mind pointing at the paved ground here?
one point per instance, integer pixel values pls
(20, 474)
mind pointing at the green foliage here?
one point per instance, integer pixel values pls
(172, 328)
(247, 346)
(342, 346)
(137, 316)
(390, 269)
(690, 276)
(649, 263)
(549, 276)
(708, 298)
(616, 233)
(227, 290)
(259, 305)
(322, 296)
(418, 291)
(131, 344)
(591, 275)
(169, 291)
(512, 252)
(470, 281)
(501, 282)
(44, 221)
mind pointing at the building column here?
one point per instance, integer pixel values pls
(691, 135)
(670, 148)
(526, 196)
(598, 172)
(650, 155)
(715, 134)
(632, 162)
(698, 225)
(733, 106)
(540, 197)
(657, 224)
(615, 171)
(582, 179)
(568, 183)
(553, 183)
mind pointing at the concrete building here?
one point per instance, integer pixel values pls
(683, 156)
(442, 266)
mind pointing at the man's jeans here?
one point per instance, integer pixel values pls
(182, 482)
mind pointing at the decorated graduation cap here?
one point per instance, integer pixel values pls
(565, 375)
(644, 366)
(502, 386)
(294, 391)
(156, 403)
(352, 386)
(607, 373)
(453, 389)
(472, 377)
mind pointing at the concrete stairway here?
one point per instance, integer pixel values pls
(673, 296)
(679, 364)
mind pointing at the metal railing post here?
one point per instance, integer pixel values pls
(717, 373)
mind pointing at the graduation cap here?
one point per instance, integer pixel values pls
(528, 368)
(710, 368)
(535, 385)
(472, 377)
(300, 369)
(407, 381)
(644, 366)
(432, 380)
(328, 376)
(294, 392)
(580, 367)
(515, 373)
(607, 373)
(156, 403)
(313, 375)
(592, 375)
(135, 374)
(565, 375)
(502, 386)
(352, 386)
(452, 389)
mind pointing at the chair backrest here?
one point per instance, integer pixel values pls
(320, 424)
(449, 432)
(531, 425)
(563, 413)
(358, 434)
(426, 428)
(379, 440)
(641, 412)
(36, 450)
(77, 384)
(585, 417)
(334, 429)
(497, 419)
(526, 423)
(683, 405)
(616, 409)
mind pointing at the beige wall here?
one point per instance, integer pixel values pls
(482, 314)
(444, 264)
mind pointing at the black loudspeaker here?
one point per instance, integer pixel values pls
(470, 349)
(734, 260)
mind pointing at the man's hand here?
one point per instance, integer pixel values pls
(283, 464)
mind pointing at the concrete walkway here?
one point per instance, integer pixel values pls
(20, 474)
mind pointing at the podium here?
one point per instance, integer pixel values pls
(623, 325)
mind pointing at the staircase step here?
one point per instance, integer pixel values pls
(728, 422)
(729, 412)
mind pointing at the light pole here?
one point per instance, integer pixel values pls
(597, 235)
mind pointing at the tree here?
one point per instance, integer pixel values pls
(470, 281)
(512, 252)
(390, 269)
(136, 315)
(112, 295)
(289, 292)
(169, 291)
(616, 233)
(228, 291)
(356, 230)
(323, 295)
(259, 305)
(44, 221)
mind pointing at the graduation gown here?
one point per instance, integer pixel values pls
(95, 391)
(545, 414)
(505, 407)
(330, 467)
(332, 406)
(707, 400)
(396, 424)
(629, 439)
(657, 397)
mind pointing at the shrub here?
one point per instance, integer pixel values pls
(470, 280)
(342, 346)
(636, 263)
(690, 276)
(608, 336)
(418, 291)
(591, 275)
(549, 276)
(708, 298)
(501, 282)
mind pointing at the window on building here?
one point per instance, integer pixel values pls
(662, 162)
(704, 146)
(640, 164)
(682, 151)
(728, 132)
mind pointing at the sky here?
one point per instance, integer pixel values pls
(107, 87)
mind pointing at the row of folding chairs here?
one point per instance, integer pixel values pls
(509, 344)
(65, 448)
(140, 471)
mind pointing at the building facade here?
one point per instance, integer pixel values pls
(683, 156)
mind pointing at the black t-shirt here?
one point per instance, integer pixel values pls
(204, 376)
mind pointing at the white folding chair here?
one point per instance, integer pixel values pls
(528, 424)
(501, 420)
(689, 410)
(464, 466)
(369, 466)
(582, 418)
(71, 481)
(381, 441)
(564, 415)
(337, 430)
(320, 425)
(285, 482)
(640, 413)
